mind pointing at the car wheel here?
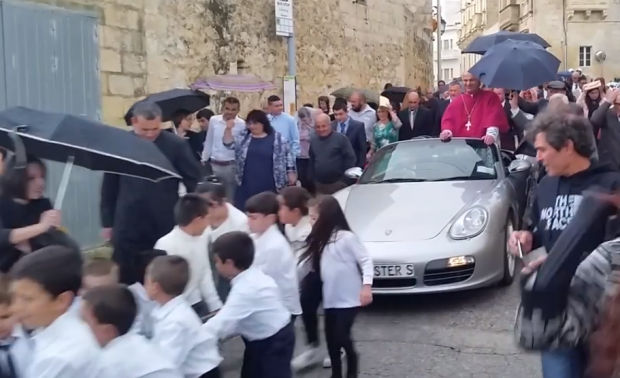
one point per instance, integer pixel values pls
(510, 261)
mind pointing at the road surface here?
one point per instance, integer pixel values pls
(456, 335)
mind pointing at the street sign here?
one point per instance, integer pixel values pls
(284, 18)
(290, 94)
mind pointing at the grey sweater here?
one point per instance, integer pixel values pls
(330, 157)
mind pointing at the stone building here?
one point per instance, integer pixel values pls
(450, 52)
(576, 29)
(151, 45)
(478, 17)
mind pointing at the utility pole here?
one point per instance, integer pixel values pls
(292, 67)
(438, 41)
(284, 28)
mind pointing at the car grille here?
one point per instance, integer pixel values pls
(434, 275)
(393, 283)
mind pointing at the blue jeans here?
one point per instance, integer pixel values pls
(563, 363)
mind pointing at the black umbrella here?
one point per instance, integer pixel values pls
(88, 144)
(395, 94)
(172, 101)
(483, 43)
(516, 65)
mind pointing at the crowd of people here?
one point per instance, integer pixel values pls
(250, 238)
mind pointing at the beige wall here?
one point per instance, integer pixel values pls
(152, 45)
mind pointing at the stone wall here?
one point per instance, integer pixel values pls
(152, 45)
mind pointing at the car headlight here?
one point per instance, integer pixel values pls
(471, 223)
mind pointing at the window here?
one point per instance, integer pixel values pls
(448, 73)
(447, 44)
(585, 56)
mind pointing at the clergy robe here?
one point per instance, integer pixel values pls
(485, 111)
(141, 211)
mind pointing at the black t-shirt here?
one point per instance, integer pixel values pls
(17, 215)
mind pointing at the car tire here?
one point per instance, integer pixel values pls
(510, 261)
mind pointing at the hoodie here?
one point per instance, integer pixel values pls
(558, 199)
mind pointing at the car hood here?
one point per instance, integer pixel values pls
(408, 211)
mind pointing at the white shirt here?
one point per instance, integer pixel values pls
(298, 234)
(20, 350)
(193, 249)
(213, 145)
(64, 349)
(253, 309)
(368, 117)
(177, 331)
(236, 221)
(276, 259)
(341, 261)
(143, 324)
(133, 356)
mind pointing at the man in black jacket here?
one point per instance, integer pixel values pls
(352, 129)
(564, 144)
(416, 120)
(135, 213)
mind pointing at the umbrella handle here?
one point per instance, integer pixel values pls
(64, 183)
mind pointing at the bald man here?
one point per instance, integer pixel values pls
(417, 121)
(331, 155)
(362, 112)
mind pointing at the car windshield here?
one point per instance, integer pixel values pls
(432, 160)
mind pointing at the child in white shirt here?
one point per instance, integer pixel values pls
(176, 327)
(110, 312)
(188, 240)
(254, 310)
(45, 282)
(297, 226)
(14, 351)
(274, 255)
(99, 272)
(339, 256)
(223, 218)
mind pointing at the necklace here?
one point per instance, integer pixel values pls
(469, 112)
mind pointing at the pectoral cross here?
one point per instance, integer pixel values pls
(468, 124)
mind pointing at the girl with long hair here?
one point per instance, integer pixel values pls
(338, 256)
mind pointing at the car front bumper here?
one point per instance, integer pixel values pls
(429, 259)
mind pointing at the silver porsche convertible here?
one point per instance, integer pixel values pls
(435, 216)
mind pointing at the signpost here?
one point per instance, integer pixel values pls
(284, 28)
(284, 18)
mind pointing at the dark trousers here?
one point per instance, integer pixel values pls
(303, 174)
(271, 357)
(215, 373)
(310, 298)
(338, 325)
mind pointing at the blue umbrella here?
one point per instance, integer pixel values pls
(483, 43)
(516, 65)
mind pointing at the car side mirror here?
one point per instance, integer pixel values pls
(519, 166)
(354, 173)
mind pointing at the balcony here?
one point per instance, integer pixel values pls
(509, 15)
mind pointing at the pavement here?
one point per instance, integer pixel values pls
(454, 335)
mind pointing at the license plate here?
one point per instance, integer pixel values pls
(394, 270)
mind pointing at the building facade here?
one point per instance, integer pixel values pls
(450, 51)
(576, 30)
(478, 17)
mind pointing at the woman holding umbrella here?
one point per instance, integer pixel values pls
(25, 214)
(264, 160)
(386, 128)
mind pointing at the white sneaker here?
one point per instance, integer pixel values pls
(327, 362)
(308, 358)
